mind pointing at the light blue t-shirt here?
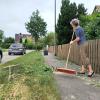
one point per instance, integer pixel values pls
(80, 33)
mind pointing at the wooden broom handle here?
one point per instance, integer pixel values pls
(69, 51)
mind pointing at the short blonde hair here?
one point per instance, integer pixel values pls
(74, 22)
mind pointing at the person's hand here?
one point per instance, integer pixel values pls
(71, 42)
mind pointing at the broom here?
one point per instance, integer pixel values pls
(66, 70)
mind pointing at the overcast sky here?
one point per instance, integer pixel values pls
(14, 13)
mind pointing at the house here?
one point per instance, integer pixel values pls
(21, 37)
(96, 9)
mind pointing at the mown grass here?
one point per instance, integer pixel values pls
(30, 79)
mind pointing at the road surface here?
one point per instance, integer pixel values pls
(7, 57)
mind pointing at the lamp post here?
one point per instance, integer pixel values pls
(55, 27)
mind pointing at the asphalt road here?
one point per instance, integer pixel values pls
(7, 57)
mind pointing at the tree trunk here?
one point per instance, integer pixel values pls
(36, 39)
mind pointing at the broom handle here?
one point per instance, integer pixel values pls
(69, 51)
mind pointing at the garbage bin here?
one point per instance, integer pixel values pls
(45, 52)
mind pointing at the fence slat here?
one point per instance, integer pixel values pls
(98, 57)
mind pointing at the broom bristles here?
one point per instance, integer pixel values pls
(69, 71)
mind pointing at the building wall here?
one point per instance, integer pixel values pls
(96, 9)
(22, 36)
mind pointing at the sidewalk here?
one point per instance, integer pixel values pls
(72, 87)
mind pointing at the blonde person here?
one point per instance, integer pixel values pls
(81, 41)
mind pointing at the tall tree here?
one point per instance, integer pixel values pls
(64, 31)
(68, 11)
(36, 26)
(1, 36)
(81, 10)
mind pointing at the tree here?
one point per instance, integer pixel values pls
(49, 39)
(68, 11)
(28, 44)
(36, 26)
(81, 10)
(92, 26)
(9, 40)
(26, 41)
(21, 40)
(1, 36)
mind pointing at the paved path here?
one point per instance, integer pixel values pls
(73, 87)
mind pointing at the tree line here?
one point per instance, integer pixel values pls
(5, 42)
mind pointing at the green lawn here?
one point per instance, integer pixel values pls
(30, 79)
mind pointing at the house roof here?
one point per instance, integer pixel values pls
(97, 8)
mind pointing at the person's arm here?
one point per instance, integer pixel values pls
(76, 40)
(77, 36)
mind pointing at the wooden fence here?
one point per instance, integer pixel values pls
(93, 51)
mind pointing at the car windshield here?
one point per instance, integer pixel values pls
(16, 46)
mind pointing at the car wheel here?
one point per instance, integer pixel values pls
(9, 53)
(22, 53)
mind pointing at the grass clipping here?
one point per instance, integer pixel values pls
(30, 79)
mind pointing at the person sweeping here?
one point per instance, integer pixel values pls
(82, 45)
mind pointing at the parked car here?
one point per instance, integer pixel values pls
(16, 48)
(1, 54)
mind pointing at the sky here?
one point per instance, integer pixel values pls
(14, 13)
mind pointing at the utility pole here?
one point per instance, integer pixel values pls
(55, 27)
